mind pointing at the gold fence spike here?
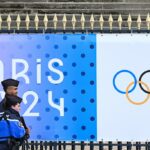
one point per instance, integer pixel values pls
(73, 21)
(45, 21)
(92, 22)
(36, 21)
(1, 22)
(18, 21)
(27, 21)
(139, 22)
(55, 21)
(110, 20)
(148, 21)
(9, 21)
(101, 22)
(64, 21)
(82, 21)
(129, 21)
(120, 22)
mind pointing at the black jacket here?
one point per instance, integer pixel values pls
(13, 114)
(2, 105)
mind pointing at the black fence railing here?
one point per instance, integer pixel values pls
(72, 145)
(77, 31)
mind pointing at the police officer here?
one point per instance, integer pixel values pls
(10, 87)
(12, 112)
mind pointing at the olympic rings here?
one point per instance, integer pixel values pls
(140, 78)
(133, 102)
(114, 79)
(134, 83)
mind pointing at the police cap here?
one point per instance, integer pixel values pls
(9, 82)
(12, 100)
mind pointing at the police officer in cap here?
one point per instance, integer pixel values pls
(12, 112)
(10, 87)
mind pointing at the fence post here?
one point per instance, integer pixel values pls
(45, 145)
(36, 145)
(64, 145)
(73, 145)
(129, 145)
(32, 145)
(110, 146)
(41, 145)
(23, 147)
(91, 145)
(101, 145)
(82, 145)
(138, 146)
(148, 145)
(119, 145)
(59, 145)
(50, 145)
(55, 146)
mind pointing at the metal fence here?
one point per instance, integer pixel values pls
(62, 145)
(73, 23)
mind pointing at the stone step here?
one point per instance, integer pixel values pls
(125, 7)
(105, 1)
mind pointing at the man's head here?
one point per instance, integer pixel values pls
(13, 102)
(10, 86)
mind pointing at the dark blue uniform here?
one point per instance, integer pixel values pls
(5, 144)
(2, 105)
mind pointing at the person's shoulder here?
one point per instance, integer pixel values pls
(2, 108)
(2, 101)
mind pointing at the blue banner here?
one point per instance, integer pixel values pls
(57, 74)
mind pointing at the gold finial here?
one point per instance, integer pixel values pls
(64, 21)
(27, 21)
(110, 20)
(101, 22)
(1, 22)
(129, 21)
(92, 22)
(9, 21)
(73, 21)
(55, 20)
(18, 21)
(36, 21)
(139, 22)
(45, 21)
(82, 21)
(120, 22)
(148, 21)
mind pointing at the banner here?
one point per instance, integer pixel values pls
(57, 74)
(123, 79)
(80, 86)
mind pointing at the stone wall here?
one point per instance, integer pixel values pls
(125, 7)
(77, 7)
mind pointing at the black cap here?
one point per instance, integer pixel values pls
(9, 82)
(12, 100)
